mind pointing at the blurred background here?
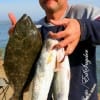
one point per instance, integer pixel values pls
(32, 8)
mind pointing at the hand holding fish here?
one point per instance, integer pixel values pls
(13, 22)
(71, 34)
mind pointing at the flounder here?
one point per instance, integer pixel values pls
(21, 52)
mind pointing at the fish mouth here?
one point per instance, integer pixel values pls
(24, 17)
(25, 20)
(23, 26)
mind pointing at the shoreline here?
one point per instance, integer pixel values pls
(10, 90)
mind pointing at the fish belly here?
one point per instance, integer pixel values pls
(61, 82)
(45, 71)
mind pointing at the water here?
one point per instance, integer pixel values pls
(98, 65)
(4, 26)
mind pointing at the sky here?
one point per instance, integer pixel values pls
(31, 7)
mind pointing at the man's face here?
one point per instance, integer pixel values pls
(52, 5)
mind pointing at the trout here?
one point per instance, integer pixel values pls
(61, 82)
(45, 72)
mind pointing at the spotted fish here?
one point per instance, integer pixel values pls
(61, 82)
(45, 72)
(21, 52)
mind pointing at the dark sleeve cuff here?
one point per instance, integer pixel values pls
(84, 34)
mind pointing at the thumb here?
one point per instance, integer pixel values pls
(12, 18)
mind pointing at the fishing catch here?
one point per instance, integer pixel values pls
(21, 52)
(45, 72)
(61, 82)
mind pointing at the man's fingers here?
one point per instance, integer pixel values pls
(10, 31)
(63, 43)
(59, 35)
(12, 18)
(70, 48)
(13, 22)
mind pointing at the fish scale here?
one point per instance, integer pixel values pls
(45, 71)
(21, 52)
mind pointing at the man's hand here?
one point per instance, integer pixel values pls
(13, 22)
(71, 34)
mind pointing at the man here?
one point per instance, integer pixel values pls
(77, 28)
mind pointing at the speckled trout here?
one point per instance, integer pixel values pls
(46, 64)
(61, 82)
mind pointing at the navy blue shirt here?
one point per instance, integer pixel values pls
(83, 84)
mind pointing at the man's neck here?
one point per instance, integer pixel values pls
(56, 15)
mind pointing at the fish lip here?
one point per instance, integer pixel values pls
(26, 18)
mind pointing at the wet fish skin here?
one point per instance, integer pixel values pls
(44, 72)
(61, 82)
(21, 51)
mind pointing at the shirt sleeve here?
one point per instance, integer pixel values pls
(90, 27)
